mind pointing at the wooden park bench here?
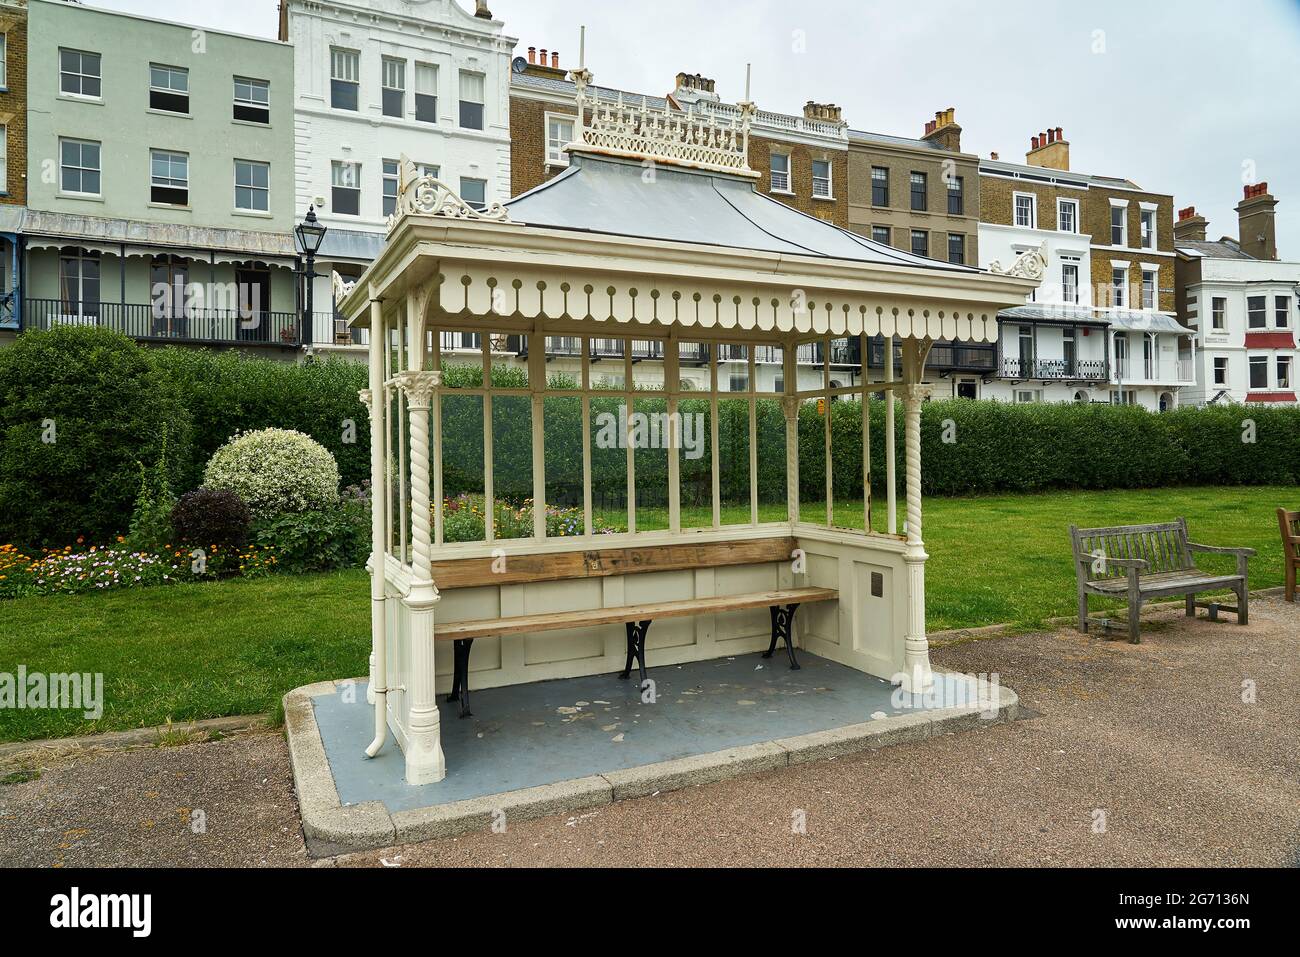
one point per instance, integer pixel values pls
(1151, 561)
(470, 572)
(1290, 524)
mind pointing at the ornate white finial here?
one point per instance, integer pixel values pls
(341, 286)
(1031, 264)
(424, 195)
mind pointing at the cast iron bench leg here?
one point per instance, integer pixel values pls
(782, 624)
(636, 632)
(460, 675)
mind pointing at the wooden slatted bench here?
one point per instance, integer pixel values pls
(1141, 562)
(1289, 522)
(469, 572)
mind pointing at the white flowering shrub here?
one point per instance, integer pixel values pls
(275, 471)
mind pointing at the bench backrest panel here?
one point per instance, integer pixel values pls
(1163, 546)
(1290, 525)
(600, 563)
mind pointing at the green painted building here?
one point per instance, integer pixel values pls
(161, 183)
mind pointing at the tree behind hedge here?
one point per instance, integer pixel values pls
(110, 408)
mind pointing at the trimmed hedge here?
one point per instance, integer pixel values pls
(112, 399)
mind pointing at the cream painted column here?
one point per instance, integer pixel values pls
(425, 763)
(916, 658)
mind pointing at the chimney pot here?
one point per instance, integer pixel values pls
(481, 10)
(993, 156)
(1033, 142)
(555, 59)
(1059, 135)
(532, 54)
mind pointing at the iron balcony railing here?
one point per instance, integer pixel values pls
(145, 321)
(1077, 369)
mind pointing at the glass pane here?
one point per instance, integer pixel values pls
(769, 369)
(608, 464)
(564, 362)
(812, 461)
(651, 434)
(509, 361)
(733, 461)
(462, 468)
(693, 368)
(462, 359)
(512, 464)
(648, 365)
(733, 368)
(846, 461)
(562, 422)
(772, 500)
(695, 463)
(608, 372)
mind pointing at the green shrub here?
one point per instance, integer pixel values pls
(151, 526)
(275, 471)
(80, 407)
(208, 516)
(318, 539)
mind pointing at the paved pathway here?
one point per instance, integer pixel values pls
(1155, 736)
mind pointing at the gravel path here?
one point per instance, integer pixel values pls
(1130, 755)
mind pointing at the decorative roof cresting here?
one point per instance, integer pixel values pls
(1031, 264)
(423, 195)
(698, 139)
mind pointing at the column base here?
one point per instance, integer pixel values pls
(425, 762)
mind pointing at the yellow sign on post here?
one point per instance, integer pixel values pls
(821, 406)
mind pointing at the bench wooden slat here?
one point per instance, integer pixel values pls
(553, 621)
(600, 563)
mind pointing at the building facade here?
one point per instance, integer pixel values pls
(1102, 326)
(1242, 303)
(164, 200)
(378, 80)
(13, 159)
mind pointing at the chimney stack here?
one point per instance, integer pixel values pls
(1190, 226)
(943, 130)
(1256, 222)
(1049, 150)
(481, 10)
(827, 112)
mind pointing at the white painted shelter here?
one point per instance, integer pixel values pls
(654, 234)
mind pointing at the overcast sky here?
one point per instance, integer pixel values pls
(1190, 98)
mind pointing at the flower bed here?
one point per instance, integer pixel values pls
(464, 520)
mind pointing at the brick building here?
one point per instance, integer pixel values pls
(13, 156)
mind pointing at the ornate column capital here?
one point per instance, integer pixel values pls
(916, 392)
(367, 399)
(419, 387)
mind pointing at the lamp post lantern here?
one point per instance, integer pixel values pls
(310, 233)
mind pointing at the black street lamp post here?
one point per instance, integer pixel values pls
(310, 235)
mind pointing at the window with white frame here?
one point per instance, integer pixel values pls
(1069, 280)
(1147, 225)
(345, 68)
(426, 93)
(169, 178)
(169, 88)
(1258, 372)
(559, 134)
(391, 178)
(1149, 288)
(1067, 215)
(252, 186)
(821, 179)
(4, 158)
(79, 282)
(252, 100)
(1218, 309)
(1119, 285)
(780, 172)
(1026, 207)
(79, 167)
(1256, 312)
(1118, 224)
(393, 86)
(345, 188)
(1284, 372)
(472, 86)
(4, 59)
(1220, 370)
(79, 73)
(1282, 311)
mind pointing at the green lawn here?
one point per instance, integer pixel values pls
(199, 651)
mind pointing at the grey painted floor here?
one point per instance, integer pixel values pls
(531, 734)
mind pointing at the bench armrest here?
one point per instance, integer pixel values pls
(1220, 550)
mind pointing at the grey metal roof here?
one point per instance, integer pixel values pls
(99, 229)
(351, 244)
(602, 195)
(1122, 319)
(1126, 320)
(863, 136)
(1220, 249)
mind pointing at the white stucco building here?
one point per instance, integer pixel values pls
(379, 79)
(1242, 302)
